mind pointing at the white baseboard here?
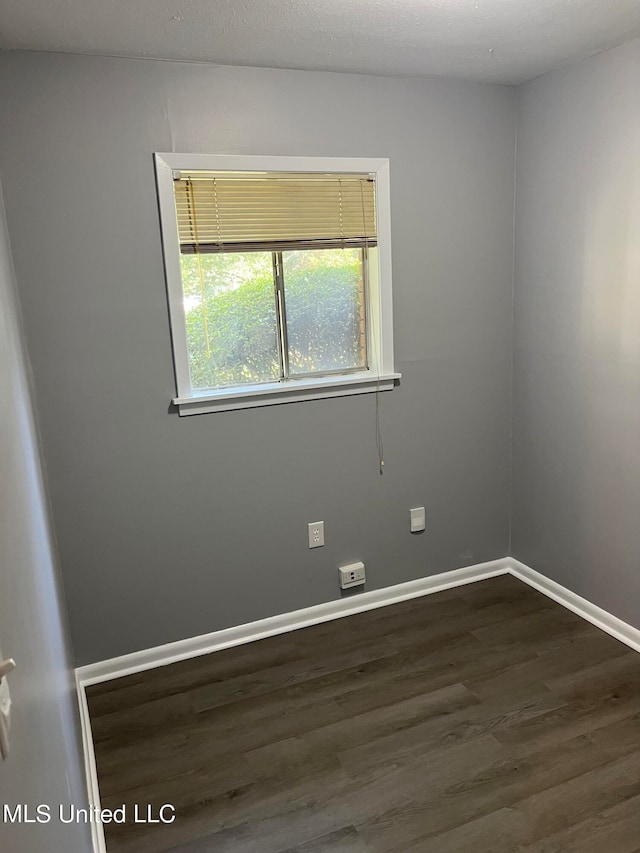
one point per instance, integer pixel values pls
(271, 626)
(93, 792)
(602, 619)
(192, 647)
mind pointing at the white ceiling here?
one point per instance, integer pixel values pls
(506, 41)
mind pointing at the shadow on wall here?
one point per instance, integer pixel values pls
(44, 765)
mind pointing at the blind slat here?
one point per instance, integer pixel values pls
(222, 211)
(277, 245)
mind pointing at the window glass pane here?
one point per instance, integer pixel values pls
(230, 315)
(325, 310)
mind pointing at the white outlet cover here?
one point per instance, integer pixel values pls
(316, 534)
(352, 575)
(417, 519)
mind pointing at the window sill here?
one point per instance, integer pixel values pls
(295, 391)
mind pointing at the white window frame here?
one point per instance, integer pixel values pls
(380, 376)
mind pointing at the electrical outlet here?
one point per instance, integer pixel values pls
(352, 575)
(316, 534)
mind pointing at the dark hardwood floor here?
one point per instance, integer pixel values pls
(485, 719)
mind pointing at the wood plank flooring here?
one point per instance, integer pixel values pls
(485, 719)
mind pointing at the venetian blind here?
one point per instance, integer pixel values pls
(273, 211)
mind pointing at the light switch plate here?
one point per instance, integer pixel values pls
(417, 516)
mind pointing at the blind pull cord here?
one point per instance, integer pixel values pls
(379, 442)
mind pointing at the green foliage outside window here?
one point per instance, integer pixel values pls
(231, 317)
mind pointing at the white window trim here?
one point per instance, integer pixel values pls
(380, 376)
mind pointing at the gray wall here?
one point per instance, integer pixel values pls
(44, 764)
(576, 498)
(173, 527)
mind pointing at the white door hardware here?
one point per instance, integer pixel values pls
(6, 666)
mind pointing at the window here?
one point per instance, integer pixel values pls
(278, 278)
